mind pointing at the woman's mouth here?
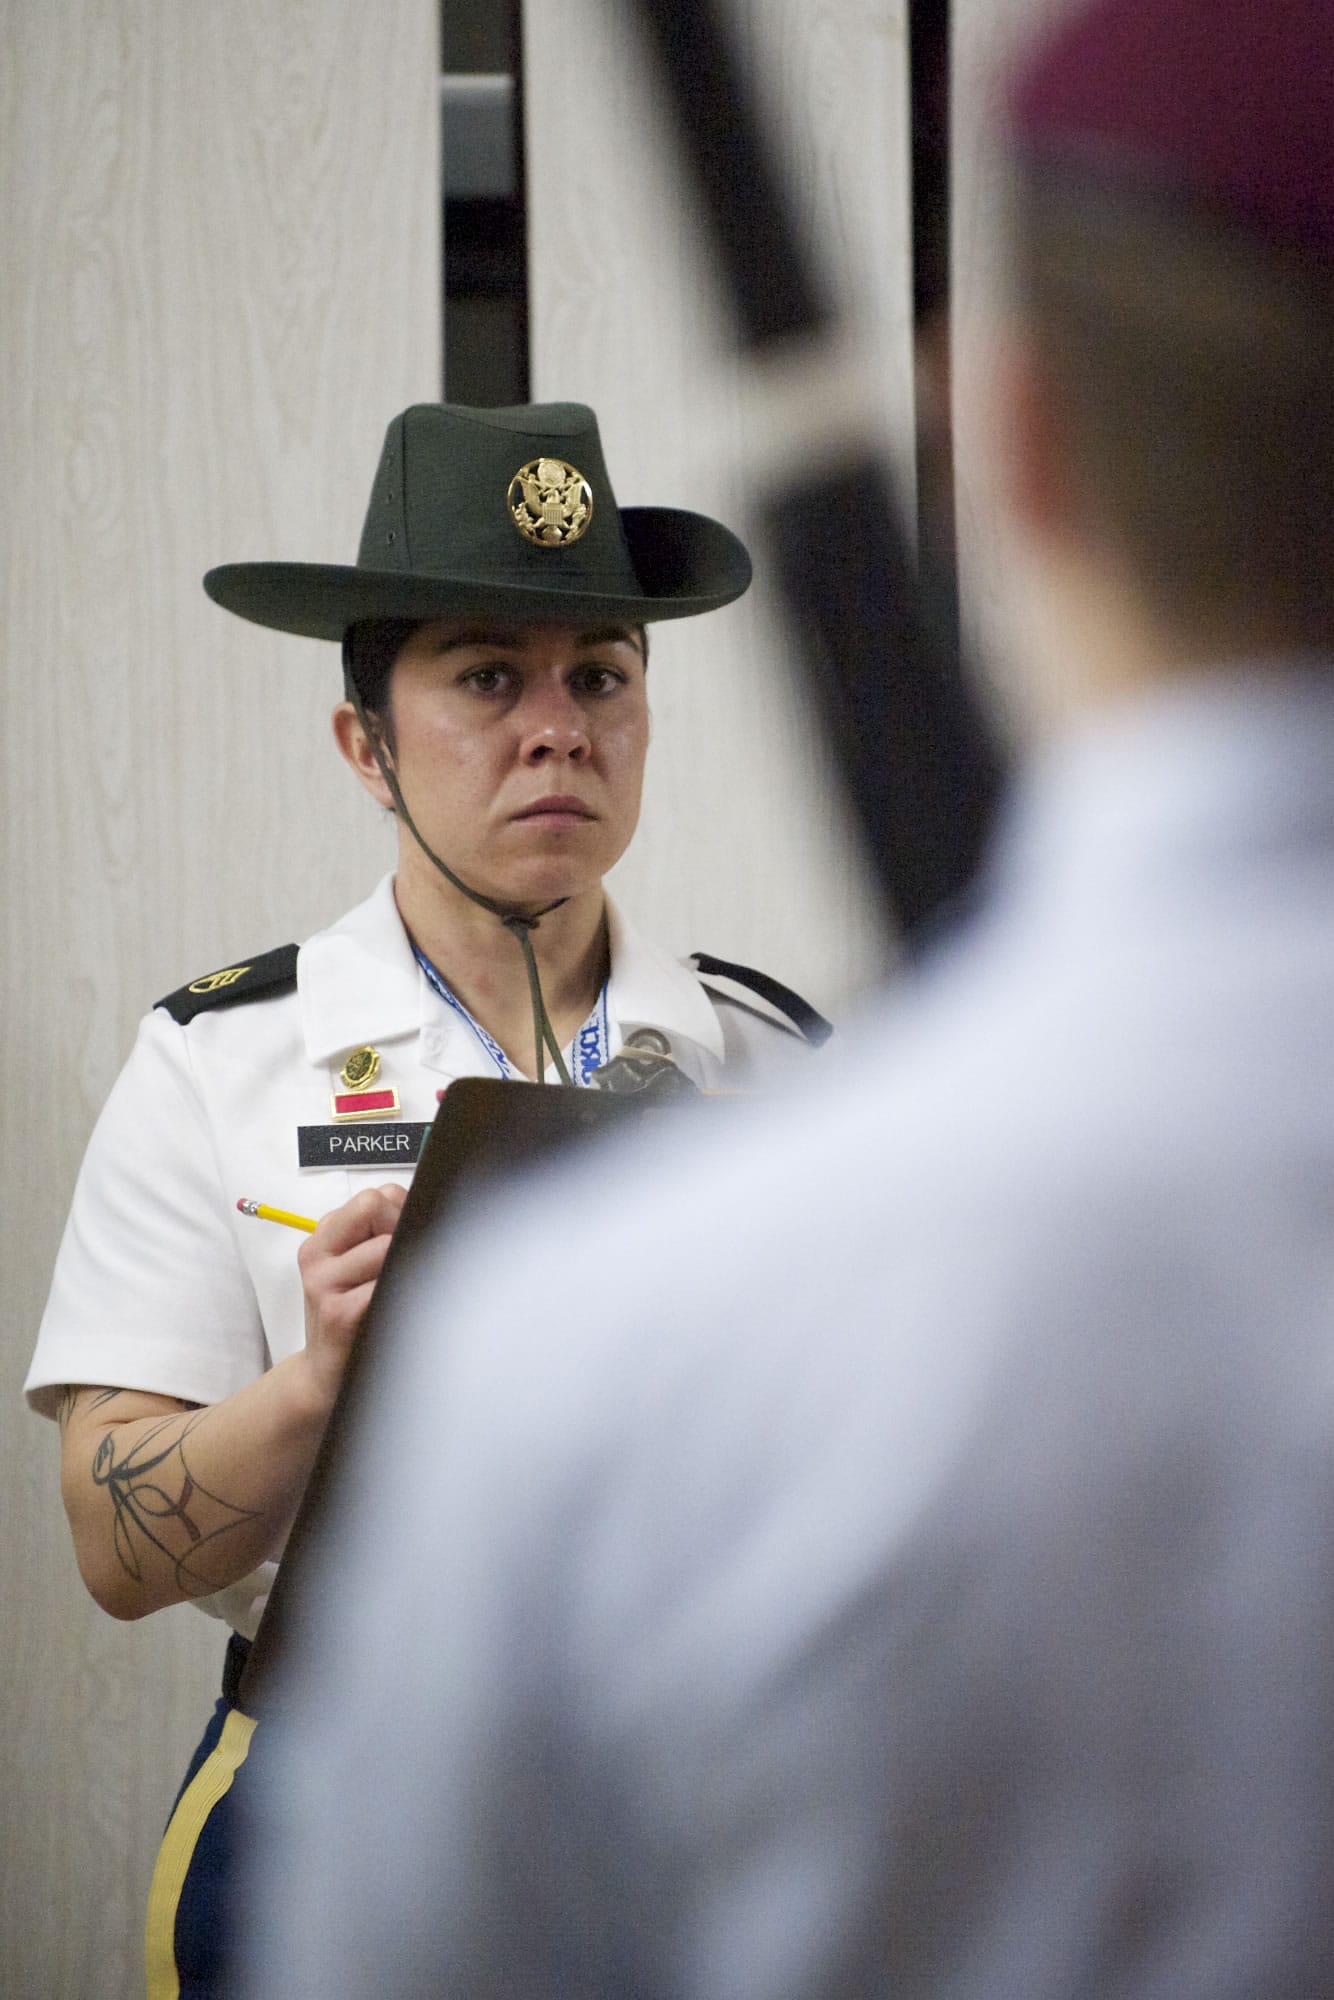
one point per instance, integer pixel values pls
(560, 809)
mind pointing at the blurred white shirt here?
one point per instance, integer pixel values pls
(889, 1553)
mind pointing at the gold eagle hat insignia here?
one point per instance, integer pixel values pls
(550, 502)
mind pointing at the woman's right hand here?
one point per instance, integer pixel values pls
(340, 1263)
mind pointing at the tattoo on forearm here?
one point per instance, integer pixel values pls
(153, 1491)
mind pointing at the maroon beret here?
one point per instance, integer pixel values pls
(1230, 102)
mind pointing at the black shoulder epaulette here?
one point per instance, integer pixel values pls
(800, 1012)
(249, 979)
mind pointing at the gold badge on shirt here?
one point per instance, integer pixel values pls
(358, 1097)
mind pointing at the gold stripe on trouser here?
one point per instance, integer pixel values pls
(211, 1782)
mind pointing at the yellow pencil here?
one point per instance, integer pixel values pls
(275, 1215)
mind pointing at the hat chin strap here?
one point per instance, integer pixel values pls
(519, 923)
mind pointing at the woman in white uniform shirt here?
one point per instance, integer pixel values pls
(495, 657)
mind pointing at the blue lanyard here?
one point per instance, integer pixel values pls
(590, 1049)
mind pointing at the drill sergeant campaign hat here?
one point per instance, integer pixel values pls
(476, 512)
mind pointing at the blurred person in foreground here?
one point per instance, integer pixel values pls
(920, 1580)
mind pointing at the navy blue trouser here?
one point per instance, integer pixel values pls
(189, 1934)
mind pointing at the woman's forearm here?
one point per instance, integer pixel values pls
(168, 1501)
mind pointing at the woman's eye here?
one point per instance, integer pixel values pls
(485, 680)
(599, 680)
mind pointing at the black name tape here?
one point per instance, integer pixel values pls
(360, 1145)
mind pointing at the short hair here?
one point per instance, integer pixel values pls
(370, 649)
(1194, 366)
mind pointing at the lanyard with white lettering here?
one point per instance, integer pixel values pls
(591, 1046)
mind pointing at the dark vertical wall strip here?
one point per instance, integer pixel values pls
(929, 83)
(522, 342)
(929, 38)
(486, 359)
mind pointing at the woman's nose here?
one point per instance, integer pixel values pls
(553, 725)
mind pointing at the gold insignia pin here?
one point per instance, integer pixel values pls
(359, 1098)
(550, 502)
(212, 981)
(361, 1069)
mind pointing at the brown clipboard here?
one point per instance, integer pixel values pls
(485, 1131)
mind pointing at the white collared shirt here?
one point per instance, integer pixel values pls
(359, 982)
(161, 1285)
(918, 1583)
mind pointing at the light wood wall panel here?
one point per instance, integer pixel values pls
(744, 848)
(220, 241)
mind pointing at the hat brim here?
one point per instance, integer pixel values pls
(685, 564)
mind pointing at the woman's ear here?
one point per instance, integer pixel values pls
(356, 749)
(1031, 429)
